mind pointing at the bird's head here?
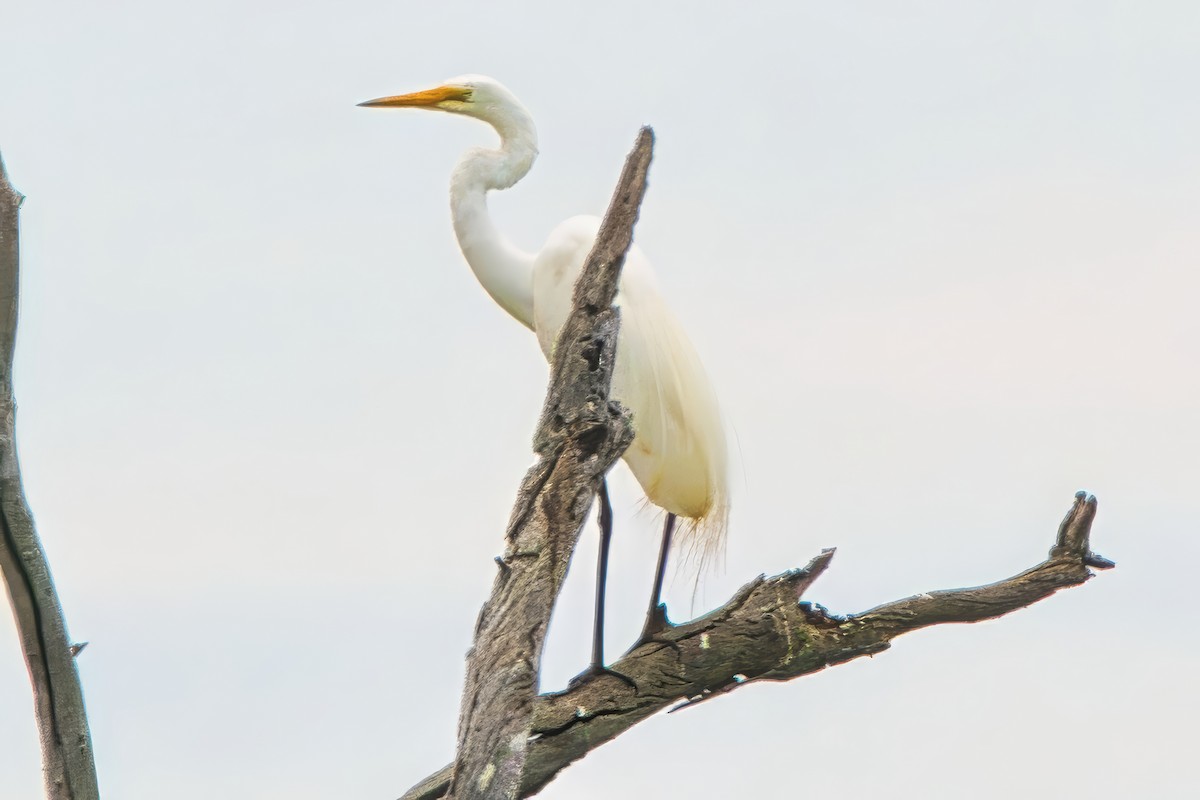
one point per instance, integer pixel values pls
(472, 95)
(484, 99)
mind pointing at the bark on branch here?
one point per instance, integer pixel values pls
(580, 435)
(767, 633)
(67, 760)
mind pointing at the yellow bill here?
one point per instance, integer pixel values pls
(428, 97)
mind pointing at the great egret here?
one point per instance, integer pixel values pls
(679, 454)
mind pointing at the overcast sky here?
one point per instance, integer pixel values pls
(940, 259)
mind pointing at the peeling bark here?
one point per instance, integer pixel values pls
(580, 435)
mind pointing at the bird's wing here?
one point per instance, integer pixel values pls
(679, 456)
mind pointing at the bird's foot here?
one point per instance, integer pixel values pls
(656, 625)
(596, 670)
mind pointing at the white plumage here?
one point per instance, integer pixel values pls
(679, 454)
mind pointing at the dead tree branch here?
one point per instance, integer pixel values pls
(67, 760)
(580, 435)
(766, 633)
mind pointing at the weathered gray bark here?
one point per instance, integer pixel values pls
(580, 435)
(766, 633)
(70, 771)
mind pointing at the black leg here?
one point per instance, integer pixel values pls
(597, 666)
(601, 576)
(656, 615)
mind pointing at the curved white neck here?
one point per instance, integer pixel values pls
(504, 270)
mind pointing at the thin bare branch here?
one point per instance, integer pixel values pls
(766, 633)
(580, 435)
(70, 770)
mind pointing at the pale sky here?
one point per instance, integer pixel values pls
(940, 259)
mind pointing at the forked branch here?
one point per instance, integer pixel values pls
(767, 633)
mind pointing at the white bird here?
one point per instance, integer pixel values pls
(679, 453)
